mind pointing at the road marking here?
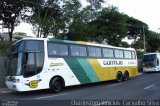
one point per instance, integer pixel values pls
(52, 96)
(113, 85)
(5, 90)
(149, 87)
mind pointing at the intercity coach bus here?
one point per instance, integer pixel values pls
(42, 63)
(151, 62)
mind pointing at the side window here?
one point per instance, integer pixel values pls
(63, 49)
(83, 51)
(77, 50)
(133, 55)
(55, 49)
(74, 50)
(108, 53)
(94, 52)
(118, 53)
(98, 52)
(91, 51)
(127, 54)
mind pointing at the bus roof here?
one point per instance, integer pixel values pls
(151, 53)
(76, 42)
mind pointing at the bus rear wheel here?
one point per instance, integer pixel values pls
(119, 77)
(126, 76)
(56, 85)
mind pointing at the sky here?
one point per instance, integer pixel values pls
(147, 11)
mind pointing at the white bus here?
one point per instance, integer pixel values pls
(41, 63)
(151, 62)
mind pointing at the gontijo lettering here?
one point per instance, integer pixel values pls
(105, 62)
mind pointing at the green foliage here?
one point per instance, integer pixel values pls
(11, 13)
(4, 46)
(124, 44)
(46, 17)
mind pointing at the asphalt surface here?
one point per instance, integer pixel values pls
(145, 87)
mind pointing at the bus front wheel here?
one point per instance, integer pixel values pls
(119, 77)
(56, 85)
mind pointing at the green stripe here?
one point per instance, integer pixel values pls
(58, 40)
(78, 70)
(89, 70)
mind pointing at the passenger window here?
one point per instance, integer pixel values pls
(133, 55)
(108, 53)
(127, 54)
(53, 49)
(118, 53)
(92, 51)
(98, 52)
(63, 50)
(83, 51)
(74, 50)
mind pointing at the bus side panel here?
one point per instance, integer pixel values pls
(102, 72)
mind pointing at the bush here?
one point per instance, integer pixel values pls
(4, 46)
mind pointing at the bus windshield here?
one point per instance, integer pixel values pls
(150, 60)
(15, 60)
(26, 58)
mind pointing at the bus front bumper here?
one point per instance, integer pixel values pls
(154, 69)
(14, 86)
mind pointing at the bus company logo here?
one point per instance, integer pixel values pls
(131, 62)
(56, 64)
(112, 62)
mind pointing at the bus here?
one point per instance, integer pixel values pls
(43, 63)
(151, 62)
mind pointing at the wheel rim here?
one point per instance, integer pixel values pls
(119, 77)
(57, 86)
(126, 76)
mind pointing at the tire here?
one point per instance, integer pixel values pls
(126, 76)
(119, 77)
(56, 85)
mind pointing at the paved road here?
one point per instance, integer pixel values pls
(143, 87)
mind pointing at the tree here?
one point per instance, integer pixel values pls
(135, 28)
(78, 18)
(46, 17)
(153, 40)
(11, 13)
(110, 24)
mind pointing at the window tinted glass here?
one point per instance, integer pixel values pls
(92, 51)
(83, 51)
(74, 50)
(98, 52)
(33, 61)
(118, 53)
(133, 55)
(53, 49)
(32, 45)
(56, 49)
(63, 50)
(108, 52)
(127, 54)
